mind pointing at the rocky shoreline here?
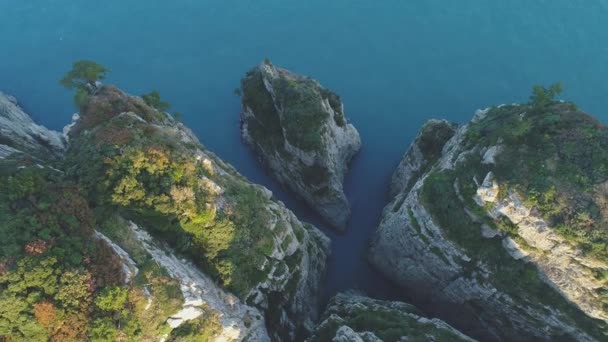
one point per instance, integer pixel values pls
(481, 223)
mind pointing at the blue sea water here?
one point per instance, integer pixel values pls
(395, 63)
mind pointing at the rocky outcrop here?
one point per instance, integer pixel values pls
(300, 132)
(422, 154)
(487, 230)
(237, 319)
(567, 269)
(19, 132)
(352, 317)
(265, 262)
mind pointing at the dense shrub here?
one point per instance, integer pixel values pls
(153, 99)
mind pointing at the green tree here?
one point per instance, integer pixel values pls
(542, 97)
(83, 75)
(74, 290)
(13, 312)
(103, 330)
(153, 99)
(112, 299)
(34, 276)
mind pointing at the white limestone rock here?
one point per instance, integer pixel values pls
(410, 248)
(20, 132)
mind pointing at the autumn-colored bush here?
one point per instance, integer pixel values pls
(109, 102)
(36, 247)
(106, 266)
(118, 136)
(73, 328)
(45, 313)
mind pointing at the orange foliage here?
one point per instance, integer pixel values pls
(74, 328)
(36, 247)
(45, 313)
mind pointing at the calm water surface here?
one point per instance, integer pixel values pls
(395, 63)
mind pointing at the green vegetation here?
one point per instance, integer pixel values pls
(265, 128)
(167, 193)
(50, 266)
(542, 97)
(518, 279)
(555, 157)
(84, 74)
(302, 118)
(433, 137)
(336, 104)
(57, 281)
(152, 178)
(151, 278)
(82, 78)
(153, 99)
(109, 102)
(386, 321)
(203, 328)
(127, 160)
(303, 115)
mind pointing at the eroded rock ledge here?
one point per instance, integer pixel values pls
(300, 132)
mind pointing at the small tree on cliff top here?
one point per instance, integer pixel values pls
(542, 97)
(84, 75)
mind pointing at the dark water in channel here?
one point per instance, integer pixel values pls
(395, 63)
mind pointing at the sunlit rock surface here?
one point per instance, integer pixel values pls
(504, 232)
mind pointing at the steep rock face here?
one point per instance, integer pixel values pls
(300, 132)
(508, 227)
(422, 154)
(237, 319)
(351, 317)
(147, 270)
(19, 132)
(140, 162)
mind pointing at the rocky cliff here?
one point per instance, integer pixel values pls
(161, 238)
(350, 317)
(19, 132)
(501, 225)
(300, 132)
(153, 171)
